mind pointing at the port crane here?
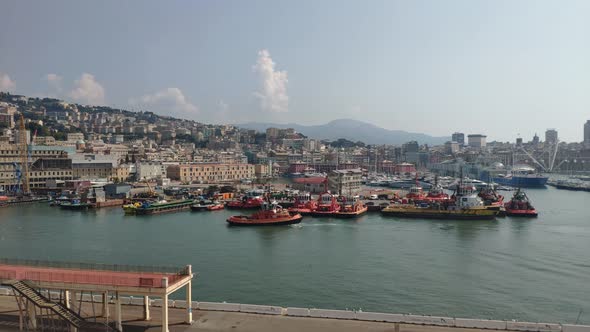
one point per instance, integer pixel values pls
(21, 170)
(552, 156)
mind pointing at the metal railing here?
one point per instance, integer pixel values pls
(95, 266)
(92, 274)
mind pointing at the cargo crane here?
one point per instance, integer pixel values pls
(22, 170)
(552, 157)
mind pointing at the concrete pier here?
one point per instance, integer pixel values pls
(221, 321)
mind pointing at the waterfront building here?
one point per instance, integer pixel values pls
(262, 171)
(10, 157)
(345, 181)
(476, 141)
(93, 166)
(57, 168)
(314, 185)
(211, 172)
(149, 170)
(459, 138)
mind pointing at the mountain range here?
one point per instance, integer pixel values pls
(353, 130)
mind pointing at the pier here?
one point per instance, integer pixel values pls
(45, 292)
(222, 317)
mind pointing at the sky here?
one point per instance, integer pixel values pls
(501, 68)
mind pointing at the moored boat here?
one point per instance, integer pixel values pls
(327, 205)
(216, 206)
(251, 200)
(520, 206)
(351, 208)
(131, 208)
(303, 205)
(207, 206)
(436, 193)
(464, 205)
(522, 176)
(416, 194)
(490, 196)
(75, 204)
(147, 208)
(270, 215)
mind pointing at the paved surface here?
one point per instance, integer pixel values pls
(217, 321)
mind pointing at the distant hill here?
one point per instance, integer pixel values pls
(352, 130)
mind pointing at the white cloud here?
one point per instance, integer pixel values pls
(54, 81)
(6, 84)
(273, 84)
(169, 101)
(88, 90)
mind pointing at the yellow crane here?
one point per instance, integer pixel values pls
(23, 152)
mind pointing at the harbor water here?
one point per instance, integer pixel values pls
(525, 269)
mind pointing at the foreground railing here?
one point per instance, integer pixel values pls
(95, 274)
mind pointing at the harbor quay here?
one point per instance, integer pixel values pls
(211, 316)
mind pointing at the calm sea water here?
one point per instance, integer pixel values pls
(535, 269)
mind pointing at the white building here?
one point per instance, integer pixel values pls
(476, 141)
(345, 181)
(150, 170)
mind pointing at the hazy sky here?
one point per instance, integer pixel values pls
(495, 67)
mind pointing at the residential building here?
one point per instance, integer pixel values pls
(7, 112)
(345, 182)
(551, 136)
(211, 172)
(75, 137)
(459, 138)
(451, 147)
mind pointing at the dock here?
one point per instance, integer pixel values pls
(76, 297)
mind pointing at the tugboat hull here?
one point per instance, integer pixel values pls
(522, 213)
(474, 214)
(246, 221)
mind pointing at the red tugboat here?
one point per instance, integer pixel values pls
(271, 214)
(351, 207)
(491, 197)
(252, 200)
(437, 194)
(327, 205)
(520, 206)
(216, 206)
(303, 205)
(416, 193)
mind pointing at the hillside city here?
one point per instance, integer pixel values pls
(66, 143)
